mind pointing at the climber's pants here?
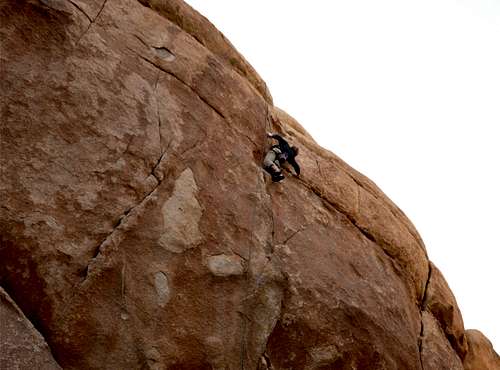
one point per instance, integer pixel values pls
(270, 163)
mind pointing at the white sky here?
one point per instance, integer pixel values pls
(408, 93)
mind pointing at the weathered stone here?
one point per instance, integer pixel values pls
(162, 289)
(436, 351)
(480, 352)
(138, 229)
(222, 265)
(441, 302)
(181, 216)
(21, 345)
(205, 32)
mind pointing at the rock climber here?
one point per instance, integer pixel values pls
(278, 155)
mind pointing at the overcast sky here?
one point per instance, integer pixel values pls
(408, 93)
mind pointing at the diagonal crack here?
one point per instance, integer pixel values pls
(293, 234)
(92, 21)
(239, 255)
(391, 208)
(204, 100)
(6, 298)
(109, 238)
(352, 220)
(201, 97)
(122, 220)
(142, 41)
(157, 164)
(80, 9)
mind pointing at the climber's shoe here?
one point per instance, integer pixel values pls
(278, 177)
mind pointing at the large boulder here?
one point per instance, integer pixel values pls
(138, 229)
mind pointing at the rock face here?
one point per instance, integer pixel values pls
(138, 230)
(480, 354)
(21, 346)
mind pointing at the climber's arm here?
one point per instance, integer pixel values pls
(285, 147)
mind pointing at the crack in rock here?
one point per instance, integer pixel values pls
(422, 309)
(80, 9)
(202, 98)
(92, 21)
(110, 238)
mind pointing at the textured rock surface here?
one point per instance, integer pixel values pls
(480, 354)
(442, 304)
(436, 352)
(21, 346)
(139, 231)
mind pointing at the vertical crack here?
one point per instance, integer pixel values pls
(158, 110)
(424, 296)
(420, 341)
(319, 169)
(422, 309)
(201, 97)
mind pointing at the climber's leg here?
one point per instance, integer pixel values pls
(271, 167)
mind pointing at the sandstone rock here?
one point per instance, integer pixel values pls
(205, 32)
(480, 353)
(222, 265)
(181, 215)
(441, 302)
(345, 283)
(138, 229)
(436, 351)
(21, 345)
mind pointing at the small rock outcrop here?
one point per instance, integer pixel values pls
(138, 230)
(480, 354)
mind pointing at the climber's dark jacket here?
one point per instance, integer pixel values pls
(288, 154)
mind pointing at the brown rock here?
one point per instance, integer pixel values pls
(364, 204)
(21, 345)
(436, 351)
(441, 302)
(138, 229)
(480, 354)
(341, 290)
(200, 28)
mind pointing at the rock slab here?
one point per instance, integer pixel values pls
(21, 345)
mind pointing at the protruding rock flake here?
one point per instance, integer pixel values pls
(139, 231)
(165, 54)
(162, 288)
(222, 265)
(181, 216)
